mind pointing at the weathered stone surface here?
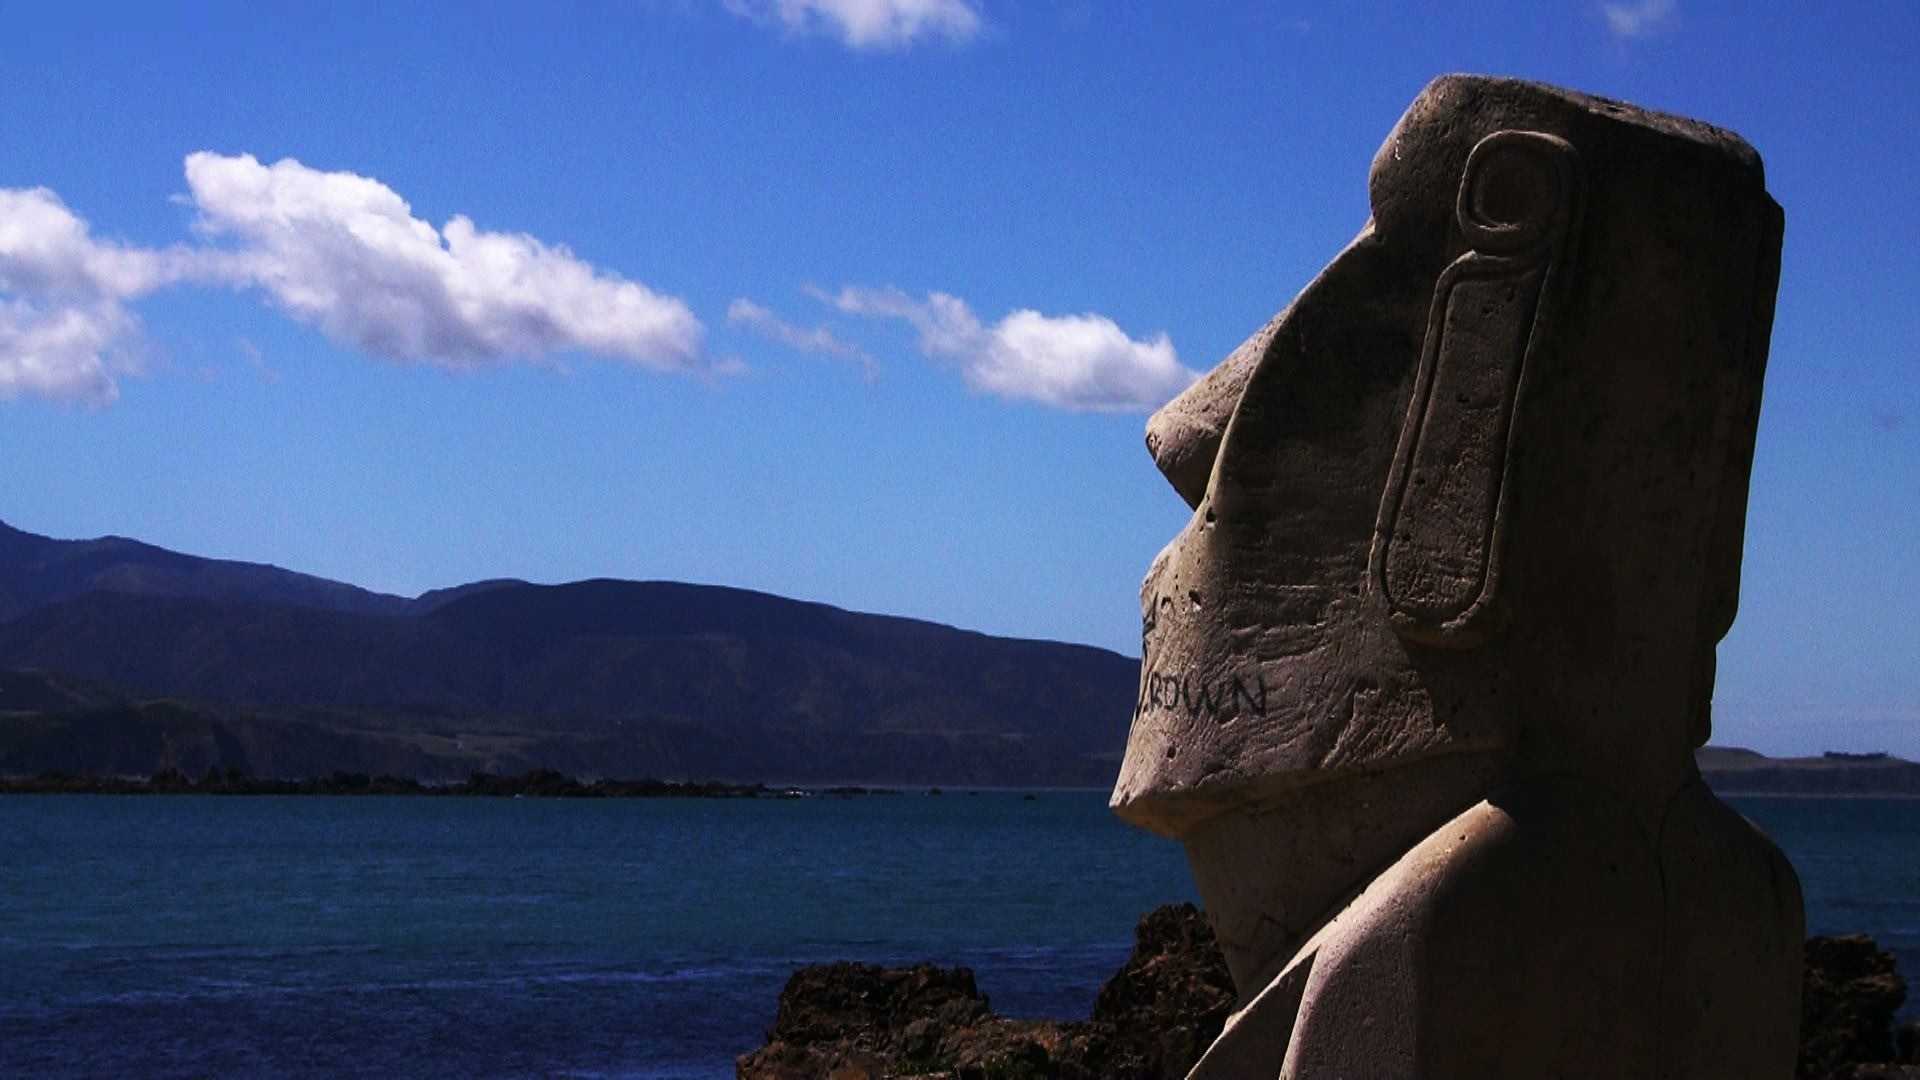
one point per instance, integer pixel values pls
(1151, 1021)
(1422, 677)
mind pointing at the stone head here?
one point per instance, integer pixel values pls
(1472, 505)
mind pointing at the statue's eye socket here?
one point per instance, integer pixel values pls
(1518, 190)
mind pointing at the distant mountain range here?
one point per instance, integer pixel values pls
(121, 657)
(125, 657)
(36, 572)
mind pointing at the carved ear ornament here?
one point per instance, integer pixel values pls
(1438, 540)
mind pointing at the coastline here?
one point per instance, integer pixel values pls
(538, 783)
(548, 783)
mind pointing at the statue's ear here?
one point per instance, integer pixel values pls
(1437, 543)
(1722, 579)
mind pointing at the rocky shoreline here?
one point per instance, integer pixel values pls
(538, 783)
(1153, 1018)
(1157, 1015)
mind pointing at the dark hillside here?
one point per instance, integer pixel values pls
(722, 657)
(732, 657)
(595, 677)
(37, 570)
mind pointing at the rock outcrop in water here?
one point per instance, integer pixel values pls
(1174, 993)
(1156, 1015)
(862, 1022)
(1848, 1001)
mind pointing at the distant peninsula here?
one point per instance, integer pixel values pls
(1734, 771)
(125, 661)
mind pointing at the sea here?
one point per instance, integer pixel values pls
(368, 938)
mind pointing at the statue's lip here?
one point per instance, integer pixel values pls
(1175, 809)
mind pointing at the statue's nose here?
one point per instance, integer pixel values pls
(1184, 450)
(1184, 436)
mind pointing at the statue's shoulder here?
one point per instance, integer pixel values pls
(1730, 996)
(1548, 883)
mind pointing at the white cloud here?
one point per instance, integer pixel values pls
(64, 326)
(67, 352)
(339, 251)
(345, 253)
(47, 249)
(1080, 362)
(1638, 19)
(866, 24)
(808, 339)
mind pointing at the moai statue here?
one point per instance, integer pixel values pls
(1424, 673)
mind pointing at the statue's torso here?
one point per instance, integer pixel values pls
(1542, 932)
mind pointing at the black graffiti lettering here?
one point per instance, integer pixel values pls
(1225, 699)
(1167, 691)
(1203, 702)
(1240, 692)
(1160, 691)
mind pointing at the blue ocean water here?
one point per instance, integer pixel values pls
(388, 938)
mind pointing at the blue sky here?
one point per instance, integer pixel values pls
(861, 301)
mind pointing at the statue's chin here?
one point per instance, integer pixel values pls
(1271, 872)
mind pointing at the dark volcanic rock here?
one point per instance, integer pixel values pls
(1849, 995)
(861, 1022)
(1166, 1005)
(1168, 1002)
(860, 1001)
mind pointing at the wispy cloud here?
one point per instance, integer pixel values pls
(336, 250)
(866, 24)
(1079, 362)
(257, 359)
(1639, 19)
(807, 339)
